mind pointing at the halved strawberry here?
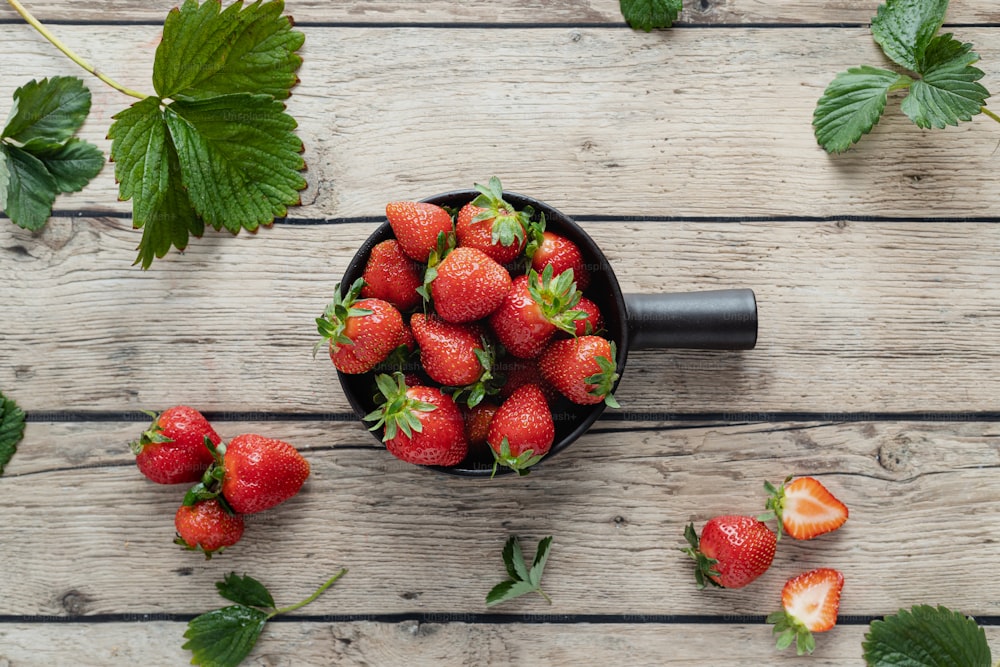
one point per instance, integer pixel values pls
(810, 602)
(417, 225)
(804, 508)
(361, 332)
(490, 224)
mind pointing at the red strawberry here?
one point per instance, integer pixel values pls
(804, 508)
(548, 249)
(732, 552)
(519, 372)
(582, 369)
(455, 355)
(468, 285)
(422, 424)
(533, 310)
(477, 422)
(810, 603)
(491, 225)
(392, 276)
(207, 527)
(260, 473)
(417, 225)
(593, 323)
(172, 450)
(362, 333)
(522, 430)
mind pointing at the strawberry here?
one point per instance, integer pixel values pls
(533, 310)
(591, 324)
(417, 225)
(477, 422)
(549, 249)
(422, 425)
(207, 527)
(519, 372)
(491, 225)
(804, 508)
(390, 275)
(522, 430)
(468, 285)
(732, 552)
(455, 355)
(582, 369)
(172, 450)
(361, 333)
(810, 602)
(260, 472)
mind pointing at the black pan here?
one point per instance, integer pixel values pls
(712, 320)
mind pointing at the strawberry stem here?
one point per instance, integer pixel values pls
(990, 114)
(311, 598)
(34, 23)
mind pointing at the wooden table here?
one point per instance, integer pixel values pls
(689, 156)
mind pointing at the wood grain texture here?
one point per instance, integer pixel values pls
(600, 121)
(99, 537)
(854, 317)
(515, 12)
(438, 644)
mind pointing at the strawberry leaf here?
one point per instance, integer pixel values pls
(926, 636)
(72, 164)
(648, 14)
(4, 178)
(208, 52)
(50, 110)
(11, 429)
(948, 92)
(904, 29)
(31, 189)
(224, 637)
(852, 104)
(245, 590)
(522, 580)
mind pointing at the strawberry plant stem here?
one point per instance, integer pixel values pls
(34, 23)
(990, 114)
(319, 591)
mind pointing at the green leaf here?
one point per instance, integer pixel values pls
(50, 109)
(11, 429)
(522, 580)
(648, 14)
(206, 52)
(948, 92)
(240, 158)
(245, 590)
(904, 29)
(72, 164)
(148, 170)
(852, 104)
(4, 178)
(31, 189)
(224, 637)
(926, 636)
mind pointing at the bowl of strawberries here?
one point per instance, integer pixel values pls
(479, 332)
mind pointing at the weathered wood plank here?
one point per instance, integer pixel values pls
(435, 644)
(697, 12)
(419, 542)
(854, 317)
(663, 119)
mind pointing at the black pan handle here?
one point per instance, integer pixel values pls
(714, 320)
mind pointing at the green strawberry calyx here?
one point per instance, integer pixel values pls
(790, 630)
(704, 566)
(332, 324)
(446, 242)
(556, 298)
(398, 414)
(521, 463)
(152, 435)
(210, 486)
(509, 225)
(604, 380)
(775, 505)
(488, 384)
